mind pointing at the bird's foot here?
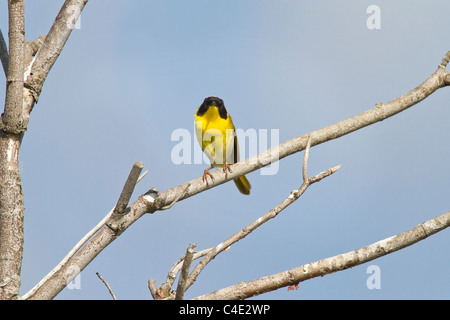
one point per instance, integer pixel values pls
(226, 169)
(206, 173)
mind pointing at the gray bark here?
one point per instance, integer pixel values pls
(11, 196)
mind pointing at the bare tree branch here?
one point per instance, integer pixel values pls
(128, 189)
(53, 44)
(326, 266)
(153, 289)
(154, 201)
(50, 47)
(445, 59)
(4, 55)
(12, 116)
(181, 288)
(11, 133)
(20, 99)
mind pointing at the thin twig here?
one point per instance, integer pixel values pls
(107, 286)
(142, 176)
(181, 288)
(445, 59)
(128, 189)
(305, 160)
(4, 55)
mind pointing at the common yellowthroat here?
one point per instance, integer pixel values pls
(217, 137)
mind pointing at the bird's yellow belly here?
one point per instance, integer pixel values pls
(216, 136)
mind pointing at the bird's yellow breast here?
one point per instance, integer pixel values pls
(215, 136)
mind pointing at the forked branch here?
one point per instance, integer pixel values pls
(185, 272)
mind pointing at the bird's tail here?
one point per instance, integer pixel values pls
(243, 184)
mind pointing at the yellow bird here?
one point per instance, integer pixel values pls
(217, 137)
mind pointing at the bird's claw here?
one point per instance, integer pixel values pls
(226, 169)
(206, 173)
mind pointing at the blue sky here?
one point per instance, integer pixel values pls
(136, 71)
